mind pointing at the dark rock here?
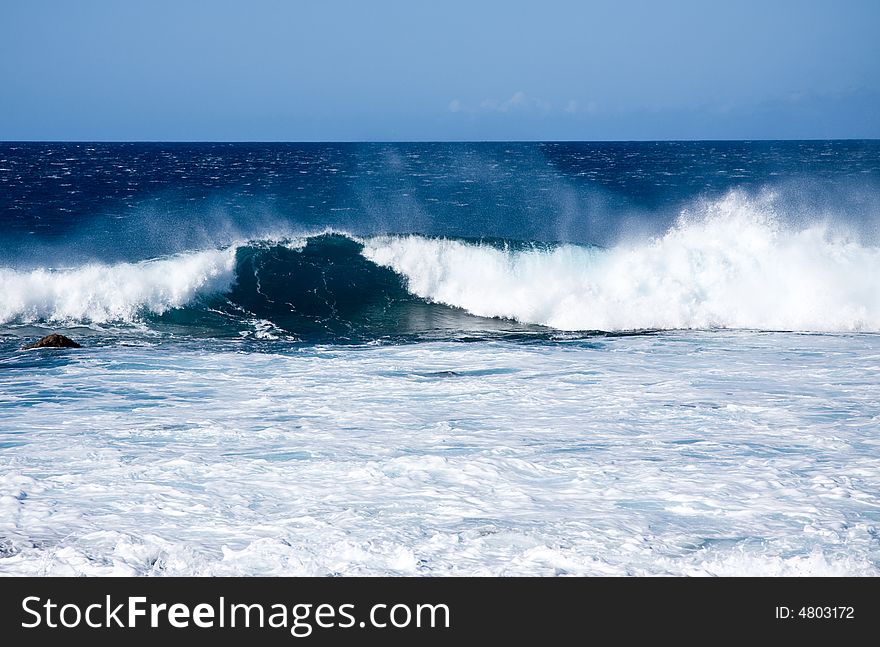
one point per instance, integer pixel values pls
(443, 374)
(53, 341)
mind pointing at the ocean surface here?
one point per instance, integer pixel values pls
(657, 358)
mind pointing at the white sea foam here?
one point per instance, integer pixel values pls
(730, 263)
(100, 293)
(723, 453)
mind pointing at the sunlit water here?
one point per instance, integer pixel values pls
(678, 453)
(441, 359)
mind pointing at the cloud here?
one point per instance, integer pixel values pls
(573, 107)
(519, 101)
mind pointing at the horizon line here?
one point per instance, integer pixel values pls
(434, 141)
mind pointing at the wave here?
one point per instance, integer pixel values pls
(730, 263)
(316, 288)
(100, 293)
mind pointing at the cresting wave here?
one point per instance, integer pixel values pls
(729, 264)
(101, 293)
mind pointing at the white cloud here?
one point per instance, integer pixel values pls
(519, 101)
(573, 107)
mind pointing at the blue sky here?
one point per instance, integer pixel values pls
(273, 70)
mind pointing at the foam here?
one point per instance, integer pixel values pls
(101, 293)
(729, 263)
(724, 453)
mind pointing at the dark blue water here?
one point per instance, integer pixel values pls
(444, 359)
(156, 197)
(65, 206)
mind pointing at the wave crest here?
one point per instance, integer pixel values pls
(730, 263)
(101, 293)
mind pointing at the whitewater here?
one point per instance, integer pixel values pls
(702, 454)
(503, 359)
(732, 263)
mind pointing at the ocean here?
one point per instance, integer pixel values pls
(647, 358)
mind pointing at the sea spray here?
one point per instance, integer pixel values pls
(731, 263)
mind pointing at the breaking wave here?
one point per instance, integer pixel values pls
(731, 263)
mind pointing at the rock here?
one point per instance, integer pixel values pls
(443, 374)
(53, 341)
